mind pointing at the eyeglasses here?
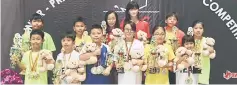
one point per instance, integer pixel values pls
(161, 34)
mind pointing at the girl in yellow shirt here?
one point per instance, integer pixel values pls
(157, 74)
(198, 29)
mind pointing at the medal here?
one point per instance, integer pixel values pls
(94, 70)
(100, 69)
(189, 80)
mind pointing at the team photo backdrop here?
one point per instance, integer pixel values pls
(218, 16)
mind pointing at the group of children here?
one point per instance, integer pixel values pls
(135, 67)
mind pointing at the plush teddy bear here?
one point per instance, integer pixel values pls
(117, 36)
(137, 60)
(142, 36)
(161, 51)
(209, 43)
(88, 48)
(81, 70)
(70, 74)
(183, 54)
(45, 55)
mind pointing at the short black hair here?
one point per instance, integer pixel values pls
(38, 32)
(79, 19)
(68, 34)
(175, 14)
(160, 24)
(197, 22)
(36, 16)
(187, 38)
(96, 26)
(132, 24)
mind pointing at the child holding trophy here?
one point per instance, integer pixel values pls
(158, 56)
(128, 65)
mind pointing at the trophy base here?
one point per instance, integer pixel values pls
(154, 70)
(120, 70)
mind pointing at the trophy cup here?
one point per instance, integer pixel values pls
(151, 62)
(174, 43)
(120, 68)
(198, 60)
(104, 27)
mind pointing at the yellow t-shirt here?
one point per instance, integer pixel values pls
(42, 78)
(84, 39)
(169, 35)
(158, 78)
(204, 77)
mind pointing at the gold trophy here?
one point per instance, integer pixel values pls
(57, 72)
(197, 54)
(104, 27)
(151, 61)
(174, 41)
(120, 63)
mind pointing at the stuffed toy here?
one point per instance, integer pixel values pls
(117, 36)
(70, 74)
(81, 70)
(142, 36)
(182, 55)
(88, 48)
(161, 51)
(209, 43)
(137, 61)
(45, 55)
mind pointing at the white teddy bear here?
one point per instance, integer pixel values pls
(161, 51)
(45, 54)
(88, 48)
(183, 54)
(142, 36)
(209, 43)
(117, 35)
(137, 61)
(70, 74)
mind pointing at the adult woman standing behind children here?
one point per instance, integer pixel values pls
(132, 14)
(112, 22)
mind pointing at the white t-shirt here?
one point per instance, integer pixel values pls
(74, 55)
(65, 58)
